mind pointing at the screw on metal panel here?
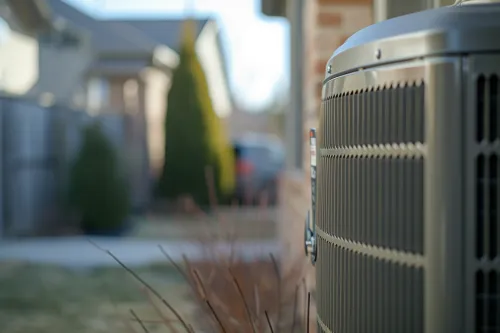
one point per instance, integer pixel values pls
(329, 69)
(378, 54)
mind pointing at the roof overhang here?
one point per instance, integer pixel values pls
(118, 67)
(32, 15)
(274, 8)
(117, 64)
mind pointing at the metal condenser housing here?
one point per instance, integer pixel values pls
(407, 222)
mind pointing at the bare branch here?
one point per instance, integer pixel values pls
(245, 303)
(145, 284)
(167, 321)
(278, 289)
(269, 322)
(136, 318)
(295, 301)
(308, 311)
(223, 330)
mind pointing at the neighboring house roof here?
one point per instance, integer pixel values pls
(125, 46)
(123, 37)
(26, 16)
(166, 32)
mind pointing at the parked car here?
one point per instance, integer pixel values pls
(259, 161)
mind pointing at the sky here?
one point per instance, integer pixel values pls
(256, 46)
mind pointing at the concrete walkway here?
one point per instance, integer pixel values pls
(80, 252)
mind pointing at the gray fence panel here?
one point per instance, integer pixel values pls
(37, 148)
(30, 165)
(113, 126)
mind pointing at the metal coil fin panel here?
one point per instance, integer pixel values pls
(370, 220)
(373, 200)
(487, 302)
(487, 232)
(375, 116)
(360, 293)
(372, 167)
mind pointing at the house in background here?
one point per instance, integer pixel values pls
(131, 71)
(317, 28)
(29, 35)
(117, 65)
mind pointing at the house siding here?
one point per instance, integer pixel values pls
(136, 132)
(157, 85)
(61, 68)
(327, 24)
(213, 64)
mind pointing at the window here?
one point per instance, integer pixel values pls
(97, 94)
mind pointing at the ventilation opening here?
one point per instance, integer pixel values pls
(487, 207)
(487, 312)
(487, 302)
(487, 121)
(375, 116)
(378, 201)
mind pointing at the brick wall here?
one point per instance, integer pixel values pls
(328, 23)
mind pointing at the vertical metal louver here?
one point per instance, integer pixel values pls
(487, 302)
(375, 116)
(370, 211)
(487, 277)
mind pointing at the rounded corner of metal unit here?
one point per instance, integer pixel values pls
(440, 31)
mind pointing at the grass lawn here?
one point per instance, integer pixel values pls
(48, 299)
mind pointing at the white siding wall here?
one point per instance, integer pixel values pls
(210, 58)
(157, 85)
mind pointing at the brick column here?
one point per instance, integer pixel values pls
(328, 23)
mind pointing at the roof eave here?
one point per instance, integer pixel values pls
(32, 15)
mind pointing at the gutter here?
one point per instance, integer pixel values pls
(294, 120)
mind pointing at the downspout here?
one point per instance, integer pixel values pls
(2, 168)
(294, 119)
(380, 10)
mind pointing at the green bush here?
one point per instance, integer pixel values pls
(194, 134)
(97, 190)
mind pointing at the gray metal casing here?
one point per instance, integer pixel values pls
(408, 228)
